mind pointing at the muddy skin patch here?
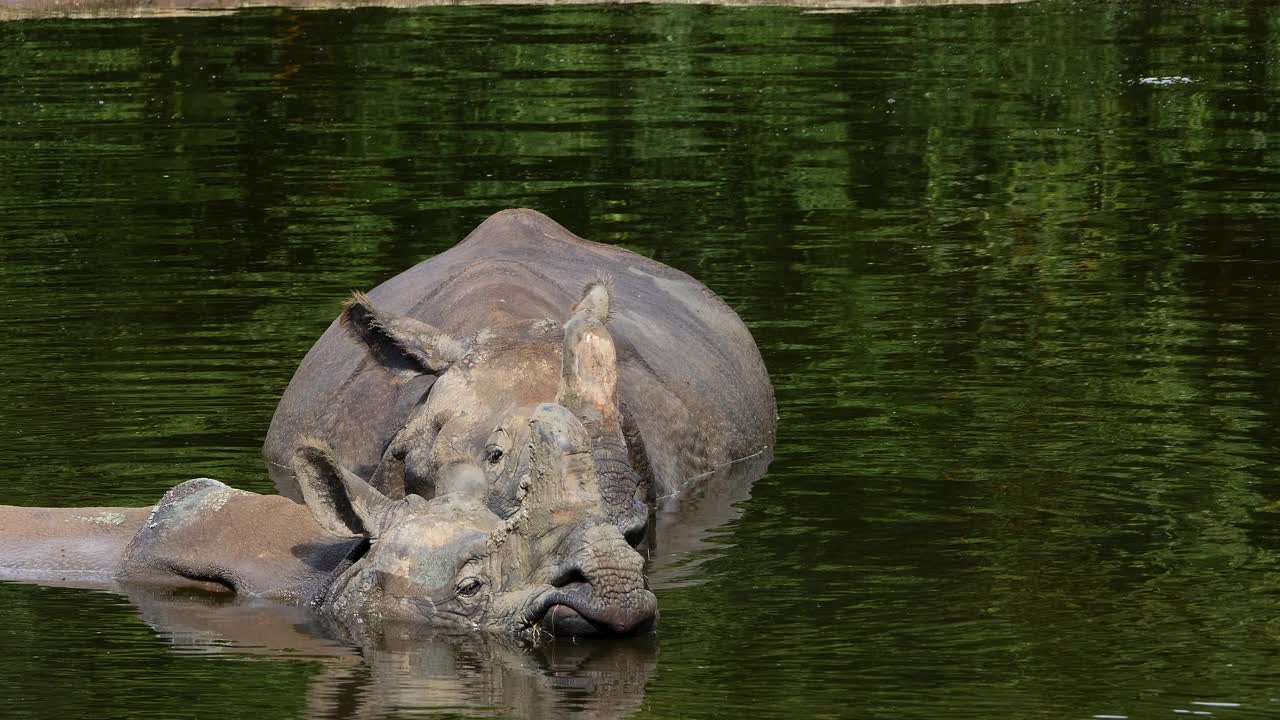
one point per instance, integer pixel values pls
(102, 518)
(188, 501)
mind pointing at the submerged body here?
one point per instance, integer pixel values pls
(66, 545)
(557, 564)
(196, 537)
(426, 368)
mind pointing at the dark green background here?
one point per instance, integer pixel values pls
(1021, 308)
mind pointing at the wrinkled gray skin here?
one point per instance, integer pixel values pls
(433, 365)
(556, 564)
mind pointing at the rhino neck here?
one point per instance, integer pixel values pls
(208, 536)
(304, 579)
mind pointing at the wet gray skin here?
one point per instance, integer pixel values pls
(478, 410)
(447, 361)
(371, 563)
(557, 564)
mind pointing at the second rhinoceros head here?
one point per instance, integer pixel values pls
(486, 389)
(555, 564)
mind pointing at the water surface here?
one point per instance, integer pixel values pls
(1012, 268)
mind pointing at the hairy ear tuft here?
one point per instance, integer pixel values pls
(399, 342)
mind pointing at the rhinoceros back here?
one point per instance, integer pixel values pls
(691, 380)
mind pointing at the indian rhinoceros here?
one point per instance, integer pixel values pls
(434, 363)
(556, 564)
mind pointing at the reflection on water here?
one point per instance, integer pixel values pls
(477, 676)
(200, 638)
(467, 674)
(682, 529)
(1018, 300)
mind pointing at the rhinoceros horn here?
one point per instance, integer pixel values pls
(588, 389)
(561, 471)
(589, 370)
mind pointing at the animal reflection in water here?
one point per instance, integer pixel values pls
(587, 679)
(556, 565)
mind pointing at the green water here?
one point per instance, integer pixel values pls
(1013, 270)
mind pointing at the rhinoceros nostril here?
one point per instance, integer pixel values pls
(570, 576)
(634, 524)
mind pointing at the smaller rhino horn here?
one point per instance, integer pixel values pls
(562, 472)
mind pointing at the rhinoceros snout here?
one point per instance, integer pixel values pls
(581, 610)
(601, 590)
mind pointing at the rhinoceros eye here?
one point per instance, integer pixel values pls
(493, 454)
(470, 586)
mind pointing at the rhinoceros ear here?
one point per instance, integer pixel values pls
(399, 340)
(338, 499)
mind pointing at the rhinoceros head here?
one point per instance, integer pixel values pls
(487, 388)
(557, 564)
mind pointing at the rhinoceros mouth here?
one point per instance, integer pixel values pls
(564, 621)
(569, 612)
